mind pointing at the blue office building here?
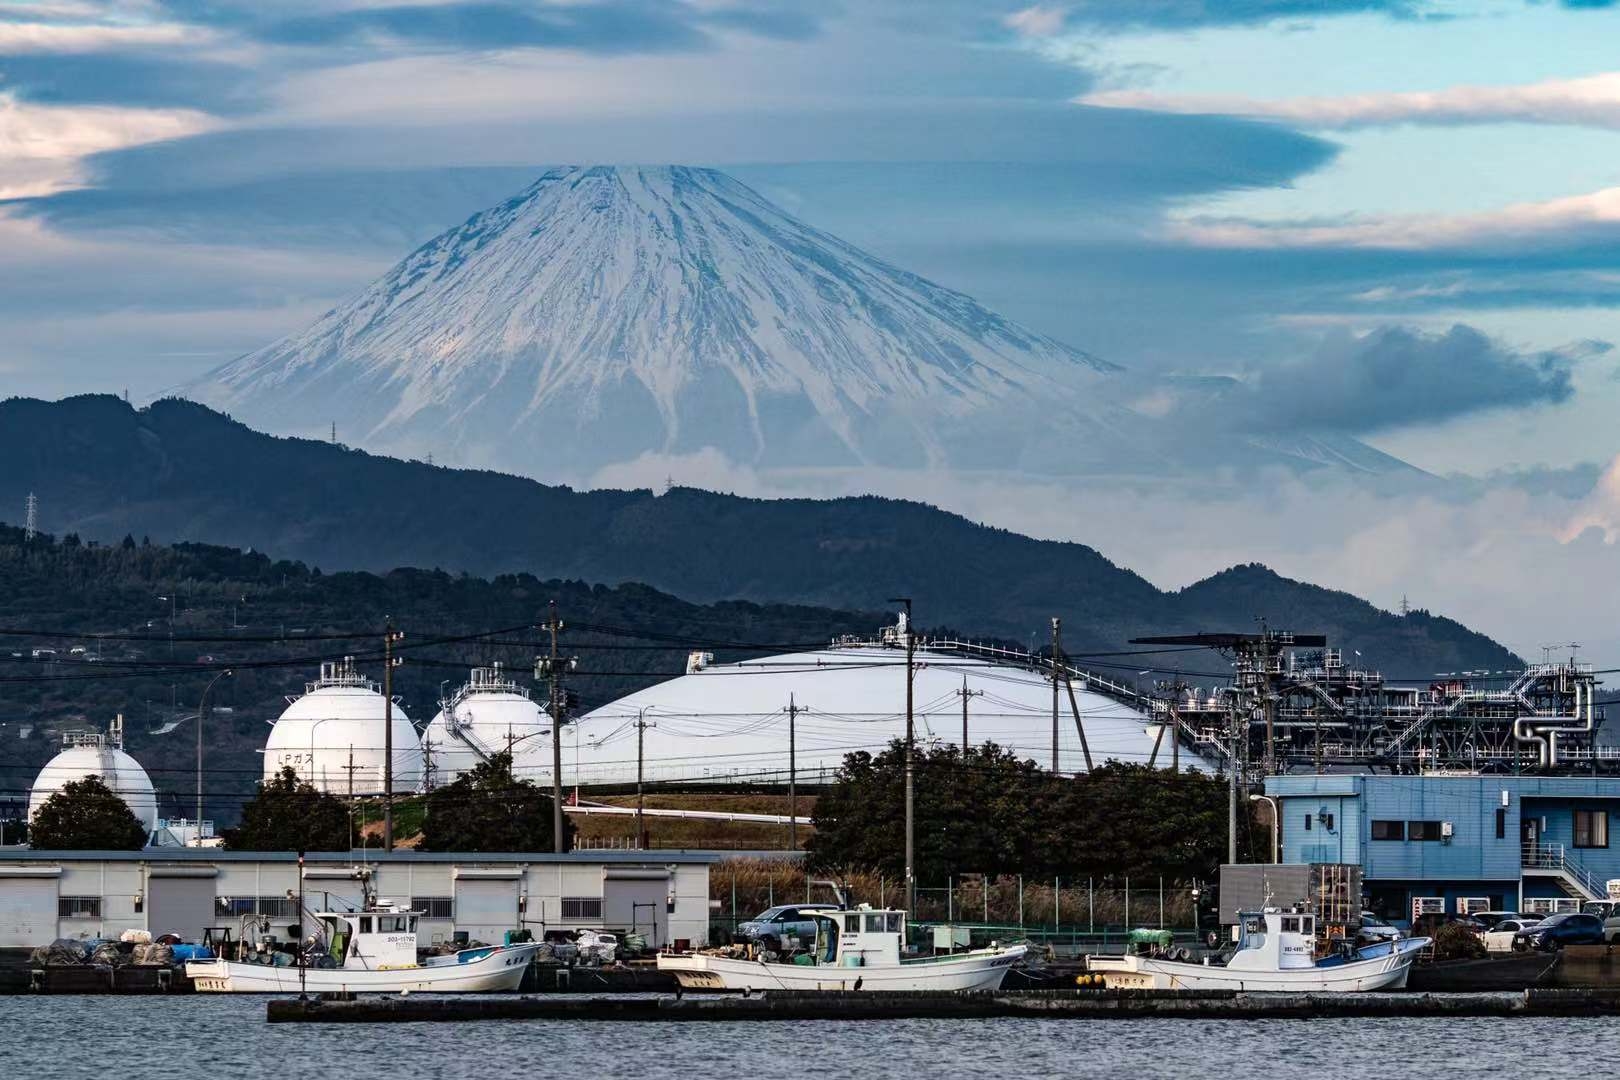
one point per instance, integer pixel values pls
(1454, 844)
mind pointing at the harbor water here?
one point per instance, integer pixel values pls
(134, 1038)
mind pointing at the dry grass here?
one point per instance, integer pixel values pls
(603, 831)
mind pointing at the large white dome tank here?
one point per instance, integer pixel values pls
(488, 714)
(336, 731)
(90, 753)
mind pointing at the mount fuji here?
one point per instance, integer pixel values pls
(609, 313)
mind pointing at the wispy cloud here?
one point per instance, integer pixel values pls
(1592, 101)
(46, 37)
(1178, 14)
(1586, 219)
(41, 146)
(1037, 20)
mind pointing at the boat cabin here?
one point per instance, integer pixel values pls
(859, 936)
(1274, 940)
(374, 939)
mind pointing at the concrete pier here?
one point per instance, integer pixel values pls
(1057, 1004)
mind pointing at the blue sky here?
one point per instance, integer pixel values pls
(1410, 206)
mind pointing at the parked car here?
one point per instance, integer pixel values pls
(1506, 934)
(1609, 912)
(1375, 929)
(779, 923)
(1491, 918)
(1570, 928)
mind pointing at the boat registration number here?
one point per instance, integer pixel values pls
(700, 980)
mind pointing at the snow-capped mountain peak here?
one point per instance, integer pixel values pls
(607, 312)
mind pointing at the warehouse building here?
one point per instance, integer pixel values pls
(46, 895)
(1453, 844)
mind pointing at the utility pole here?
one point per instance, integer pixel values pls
(349, 768)
(964, 694)
(551, 666)
(1057, 648)
(793, 710)
(911, 644)
(391, 637)
(641, 750)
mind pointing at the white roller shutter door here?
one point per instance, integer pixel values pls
(486, 908)
(28, 910)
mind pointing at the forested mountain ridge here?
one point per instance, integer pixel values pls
(179, 471)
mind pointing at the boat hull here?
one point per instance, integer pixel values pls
(980, 970)
(499, 969)
(1386, 972)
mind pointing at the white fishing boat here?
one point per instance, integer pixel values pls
(857, 949)
(372, 951)
(1276, 951)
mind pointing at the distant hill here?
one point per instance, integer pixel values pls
(176, 470)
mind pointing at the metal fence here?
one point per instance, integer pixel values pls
(1072, 915)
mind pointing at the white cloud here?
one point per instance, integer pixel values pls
(1600, 510)
(1531, 223)
(42, 146)
(1592, 101)
(29, 37)
(1036, 21)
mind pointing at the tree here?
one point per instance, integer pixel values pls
(986, 812)
(488, 809)
(975, 812)
(288, 814)
(86, 815)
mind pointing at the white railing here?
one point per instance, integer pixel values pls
(1554, 859)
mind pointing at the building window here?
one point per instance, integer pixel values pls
(1389, 830)
(435, 907)
(1591, 828)
(78, 907)
(1423, 830)
(1501, 824)
(1307, 823)
(581, 907)
(275, 907)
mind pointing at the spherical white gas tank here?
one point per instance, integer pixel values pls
(486, 724)
(325, 732)
(120, 772)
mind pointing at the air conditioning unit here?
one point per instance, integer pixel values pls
(1445, 830)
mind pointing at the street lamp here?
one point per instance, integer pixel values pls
(171, 598)
(911, 879)
(202, 715)
(1276, 824)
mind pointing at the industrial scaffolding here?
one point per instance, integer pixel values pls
(1296, 705)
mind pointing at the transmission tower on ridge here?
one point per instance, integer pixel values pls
(31, 525)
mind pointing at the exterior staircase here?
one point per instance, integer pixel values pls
(1553, 861)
